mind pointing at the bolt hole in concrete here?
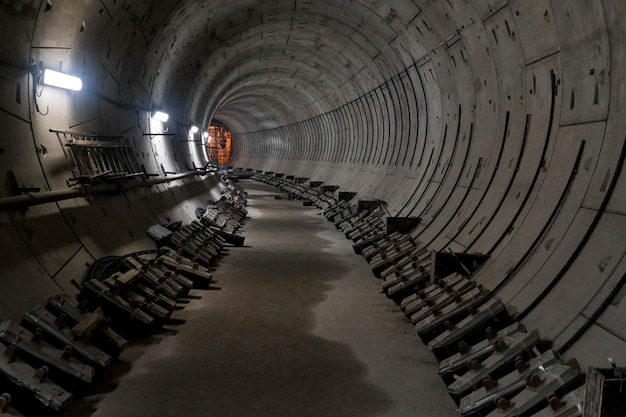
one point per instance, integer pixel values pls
(298, 329)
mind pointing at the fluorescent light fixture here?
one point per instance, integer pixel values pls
(194, 129)
(59, 79)
(160, 116)
(205, 135)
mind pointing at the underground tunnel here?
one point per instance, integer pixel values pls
(312, 208)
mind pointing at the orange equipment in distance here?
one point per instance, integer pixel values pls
(219, 144)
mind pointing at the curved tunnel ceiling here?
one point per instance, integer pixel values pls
(499, 123)
(314, 47)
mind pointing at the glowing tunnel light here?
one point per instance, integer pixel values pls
(160, 116)
(59, 79)
(194, 129)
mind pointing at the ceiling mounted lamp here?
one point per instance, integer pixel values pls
(61, 80)
(193, 129)
(160, 116)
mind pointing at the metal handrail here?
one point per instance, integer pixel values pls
(43, 197)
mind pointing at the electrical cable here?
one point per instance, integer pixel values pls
(108, 265)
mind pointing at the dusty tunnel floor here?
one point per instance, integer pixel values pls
(297, 328)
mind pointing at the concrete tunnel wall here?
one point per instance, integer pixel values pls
(500, 123)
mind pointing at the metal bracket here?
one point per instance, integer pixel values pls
(603, 392)
(16, 189)
(369, 205)
(346, 195)
(402, 224)
(446, 263)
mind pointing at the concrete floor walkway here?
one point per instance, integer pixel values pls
(297, 329)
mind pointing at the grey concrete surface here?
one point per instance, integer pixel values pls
(501, 123)
(298, 328)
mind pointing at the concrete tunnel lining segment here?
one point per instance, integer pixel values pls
(501, 124)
